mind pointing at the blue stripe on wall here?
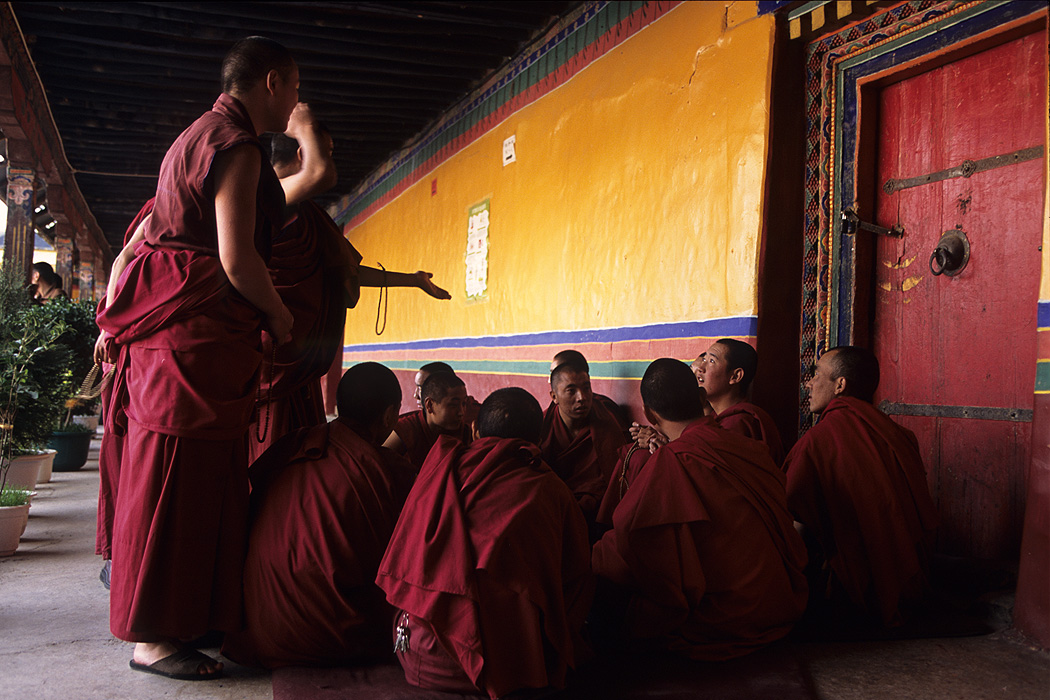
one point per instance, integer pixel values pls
(1044, 314)
(737, 326)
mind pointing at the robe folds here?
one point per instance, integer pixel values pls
(584, 462)
(188, 354)
(752, 421)
(418, 437)
(631, 459)
(314, 269)
(324, 503)
(491, 558)
(857, 482)
(116, 427)
(705, 546)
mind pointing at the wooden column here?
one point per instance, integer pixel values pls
(18, 241)
(86, 272)
(64, 255)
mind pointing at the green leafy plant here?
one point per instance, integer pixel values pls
(14, 497)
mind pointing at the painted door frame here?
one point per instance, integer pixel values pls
(842, 69)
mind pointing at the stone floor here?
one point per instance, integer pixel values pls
(55, 641)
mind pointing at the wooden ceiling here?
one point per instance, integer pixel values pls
(124, 79)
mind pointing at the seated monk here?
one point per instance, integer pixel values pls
(470, 408)
(614, 408)
(857, 485)
(444, 396)
(580, 437)
(726, 371)
(488, 564)
(324, 502)
(702, 549)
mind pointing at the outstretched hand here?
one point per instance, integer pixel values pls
(430, 288)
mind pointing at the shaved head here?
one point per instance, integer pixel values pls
(740, 355)
(511, 413)
(669, 389)
(250, 60)
(366, 391)
(859, 367)
(574, 356)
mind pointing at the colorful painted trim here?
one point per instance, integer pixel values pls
(834, 64)
(1042, 369)
(613, 353)
(600, 28)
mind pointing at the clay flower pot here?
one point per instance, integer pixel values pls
(13, 521)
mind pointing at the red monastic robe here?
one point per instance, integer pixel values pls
(857, 482)
(584, 462)
(418, 437)
(189, 354)
(752, 421)
(490, 561)
(705, 544)
(324, 503)
(311, 266)
(114, 394)
(631, 459)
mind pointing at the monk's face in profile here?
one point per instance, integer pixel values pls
(823, 387)
(573, 395)
(698, 367)
(447, 414)
(418, 393)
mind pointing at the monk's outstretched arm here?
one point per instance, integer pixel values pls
(318, 173)
(371, 277)
(236, 178)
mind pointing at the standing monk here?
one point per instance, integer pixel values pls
(580, 437)
(702, 545)
(318, 276)
(186, 317)
(726, 371)
(857, 485)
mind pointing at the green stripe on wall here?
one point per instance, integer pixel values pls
(1042, 376)
(627, 369)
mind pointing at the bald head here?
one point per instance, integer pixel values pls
(669, 390)
(740, 355)
(574, 356)
(859, 367)
(511, 413)
(366, 391)
(250, 60)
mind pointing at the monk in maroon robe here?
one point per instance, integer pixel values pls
(488, 564)
(856, 482)
(703, 544)
(113, 397)
(726, 371)
(185, 319)
(611, 406)
(324, 503)
(318, 275)
(580, 437)
(444, 398)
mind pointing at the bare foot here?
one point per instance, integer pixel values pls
(148, 653)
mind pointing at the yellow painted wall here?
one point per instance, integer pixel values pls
(635, 199)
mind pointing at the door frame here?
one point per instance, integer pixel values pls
(845, 70)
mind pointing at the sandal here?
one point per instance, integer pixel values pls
(183, 665)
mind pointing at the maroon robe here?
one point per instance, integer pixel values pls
(311, 266)
(418, 437)
(115, 430)
(584, 462)
(856, 481)
(704, 543)
(752, 421)
(189, 354)
(489, 564)
(631, 459)
(324, 503)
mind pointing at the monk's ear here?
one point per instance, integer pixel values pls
(840, 386)
(553, 397)
(736, 376)
(271, 81)
(390, 416)
(650, 416)
(428, 405)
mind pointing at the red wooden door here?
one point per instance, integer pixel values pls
(952, 345)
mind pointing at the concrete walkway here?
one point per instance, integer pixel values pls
(55, 642)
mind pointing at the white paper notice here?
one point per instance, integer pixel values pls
(477, 251)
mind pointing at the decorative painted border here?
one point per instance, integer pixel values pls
(834, 64)
(600, 28)
(614, 353)
(1042, 370)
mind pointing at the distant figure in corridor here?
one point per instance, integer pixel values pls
(489, 562)
(856, 483)
(580, 437)
(726, 371)
(702, 559)
(324, 503)
(444, 402)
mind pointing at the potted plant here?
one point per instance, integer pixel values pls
(25, 339)
(71, 441)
